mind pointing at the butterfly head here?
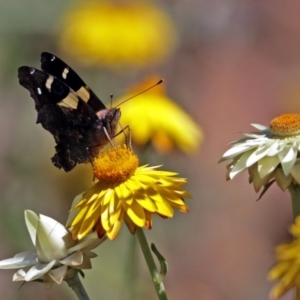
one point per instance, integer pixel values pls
(110, 117)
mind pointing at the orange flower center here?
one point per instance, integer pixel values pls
(286, 125)
(116, 165)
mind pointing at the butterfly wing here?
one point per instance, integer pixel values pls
(64, 114)
(59, 69)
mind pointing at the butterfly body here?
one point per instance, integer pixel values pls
(66, 107)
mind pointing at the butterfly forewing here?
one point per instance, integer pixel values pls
(56, 67)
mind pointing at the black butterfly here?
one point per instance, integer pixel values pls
(79, 122)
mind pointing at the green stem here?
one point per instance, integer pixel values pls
(158, 284)
(295, 194)
(130, 281)
(77, 287)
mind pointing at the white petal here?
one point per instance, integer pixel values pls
(282, 180)
(74, 212)
(19, 276)
(31, 220)
(39, 270)
(86, 262)
(255, 178)
(240, 164)
(234, 151)
(275, 148)
(50, 242)
(20, 260)
(260, 127)
(257, 155)
(47, 281)
(288, 157)
(90, 254)
(267, 164)
(58, 274)
(74, 259)
(89, 242)
(258, 141)
(253, 135)
(295, 171)
(52, 226)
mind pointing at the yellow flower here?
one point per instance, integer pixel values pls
(287, 268)
(270, 154)
(154, 117)
(125, 192)
(117, 33)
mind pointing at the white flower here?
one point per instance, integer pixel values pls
(272, 154)
(56, 256)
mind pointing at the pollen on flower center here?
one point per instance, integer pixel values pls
(116, 165)
(286, 125)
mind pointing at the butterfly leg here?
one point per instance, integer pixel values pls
(111, 141)
(127, 137)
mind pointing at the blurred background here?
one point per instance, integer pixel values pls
(226, 63)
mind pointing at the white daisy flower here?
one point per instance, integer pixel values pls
(56, 255)
(271, 154)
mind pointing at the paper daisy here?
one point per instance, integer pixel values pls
(125, 192)
(287, 269)
(154, 117)
(57, 255)
(117, 33)
(271, 154)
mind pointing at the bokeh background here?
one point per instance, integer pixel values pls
(230, 63)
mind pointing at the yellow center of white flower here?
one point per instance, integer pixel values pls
(116, 165)
(286, 125)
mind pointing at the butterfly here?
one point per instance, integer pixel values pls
(66, 107)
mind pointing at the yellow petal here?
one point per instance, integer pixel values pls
(136, 213)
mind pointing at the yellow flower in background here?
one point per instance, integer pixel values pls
(153, 117)
(287, 268)
(117, 33)
(125, 192)
(272, 154)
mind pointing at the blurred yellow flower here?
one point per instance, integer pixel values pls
(117, 33)
(125, 192)
(287, 269)
(156, 118)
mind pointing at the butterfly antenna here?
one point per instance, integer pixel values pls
(111, 99)
(142, 92)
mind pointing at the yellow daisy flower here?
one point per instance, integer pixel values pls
(154, 117)
(125, 192)
(287, 268)
(272, 154)
(117, 33)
